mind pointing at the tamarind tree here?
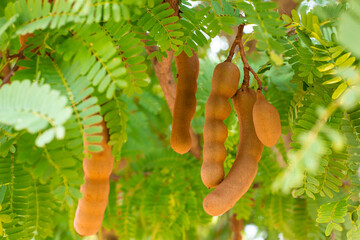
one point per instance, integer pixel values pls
(70, 66)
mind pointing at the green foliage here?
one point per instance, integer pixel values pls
(21, 110)
(115, 116)
(349, 21)
(268, 27)
(351, 130)
(332, 213)
(29, 204)
(90, 60)
(162, 26)
(131, 48)
(164, 186)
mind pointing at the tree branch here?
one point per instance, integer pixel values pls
(237, 226)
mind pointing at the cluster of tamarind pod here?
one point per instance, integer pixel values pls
(259, 125)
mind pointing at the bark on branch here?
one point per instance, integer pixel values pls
(237, 226)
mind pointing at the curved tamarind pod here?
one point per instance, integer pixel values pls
(97, 169)
(266, 121)
(245, 167)
(224, 84)
(185, 101)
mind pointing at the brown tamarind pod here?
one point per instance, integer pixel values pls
(97, 169)
(185, 101)
(224, 84)
(266, 121)
(245, 167)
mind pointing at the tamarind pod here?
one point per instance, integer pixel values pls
(217, 107)
(245, 167)
(224, 84)
(266, 121)
(90, 211)
(185, 101)
(97, 169)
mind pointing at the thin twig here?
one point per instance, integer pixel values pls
(246, 78)
(10, 56)
(9, 75)
(13, 70)
(244, 60)
(247, 68)
(15, 55)
(236, 42)
(6, 67)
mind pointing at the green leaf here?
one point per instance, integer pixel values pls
(310, 194)
(348, 63)
(5, 218)
(265, 5)
(286, 18)
(329, 229)
(45, 138)
(3, 189)
(337, 227)
(95, 148)
(299, 192)
(339, 90)
(326, 67)
(277, 59)
(69, 200)
(217, 7)
(19, 108)
(342, 59)
(322, 58)
(324, 219)
(295, 16)
(75, 192)
(347, 36)
(332, 81)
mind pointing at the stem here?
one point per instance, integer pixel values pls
(236, 42)
(245, 61)
(8, 76)
(247, 68)
(246, 78)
